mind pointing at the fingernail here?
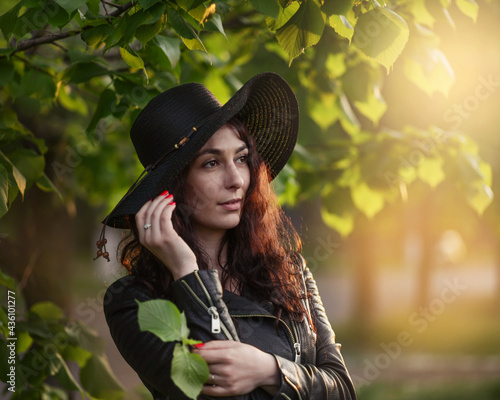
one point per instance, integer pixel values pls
(169, 196)
(150, 199)
(199, 345)
(173, 203)
(164, 193)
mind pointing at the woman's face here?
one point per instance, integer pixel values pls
(217, 182)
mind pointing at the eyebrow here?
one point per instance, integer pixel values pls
(218, 152)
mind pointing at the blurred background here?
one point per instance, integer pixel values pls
(393, 186)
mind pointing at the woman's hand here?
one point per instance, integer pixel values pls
(238, 368)
(161, 239)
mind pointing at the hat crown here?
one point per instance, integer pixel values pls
(168, 118)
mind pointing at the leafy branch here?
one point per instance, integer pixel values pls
(51, 38)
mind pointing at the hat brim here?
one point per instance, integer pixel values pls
(267, 107)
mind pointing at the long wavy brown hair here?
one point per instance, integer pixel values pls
(262, 250)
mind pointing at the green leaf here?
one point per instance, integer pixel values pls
(343, 224)
(139, 18)
(8, 21)
(24, 342)
(83, 72)
(342, 26)
(430, 170)
(479, 196)
(188, 5)
(30, 164)
(98, 380)
(6, 71)
(97, 34)
(303, 29)
(215, 25)
(145, 4)
(469, 8)
(145, 33)
(66, 378)
(338, 7)
(323, 109)
(18, 176)
(171, 48)
(185, 31)
(38, 84)
(189, 371)
(47, 185)
(266, 7)
(47, 310)
(374, 106)
(77, 354)
(71, 5)
(420, 13)
(133, 60)
(105, 107)
(5, 280)
(367, 200)
(20, 180)
(430, 71)
(284, 16)
(381, 34)
(57, 16)
(71, 101)
(162, 318)
(93, 6)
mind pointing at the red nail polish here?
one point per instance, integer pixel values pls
(169, 196)
(199, 345)
(150, 199)
(173, 203)
(164, 193)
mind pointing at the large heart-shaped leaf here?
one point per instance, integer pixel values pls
(189, 371)
(162, 318)
(381, 34)
(303, 29)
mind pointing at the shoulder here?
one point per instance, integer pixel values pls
(123, 293)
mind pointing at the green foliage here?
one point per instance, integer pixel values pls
(162, 318)
(48, 347)
(74, 63)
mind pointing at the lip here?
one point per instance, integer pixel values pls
(231, 205)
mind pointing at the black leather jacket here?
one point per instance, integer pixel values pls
(310, 362)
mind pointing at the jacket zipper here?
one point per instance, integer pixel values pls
(296, 344)
(217, 324)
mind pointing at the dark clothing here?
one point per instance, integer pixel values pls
(310, 362)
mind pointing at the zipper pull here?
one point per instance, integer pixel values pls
(215, 319)
(296, 346)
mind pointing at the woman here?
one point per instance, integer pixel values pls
(207, 234)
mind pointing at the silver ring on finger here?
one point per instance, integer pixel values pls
(213, 380)
(147, 226)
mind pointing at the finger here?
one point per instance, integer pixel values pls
(149, 212)
(157, 228)
(165, 219)
(140, 219)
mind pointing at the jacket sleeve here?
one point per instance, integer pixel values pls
(328, 378)
(149, 356)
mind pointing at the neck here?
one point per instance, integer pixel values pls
(210, 242)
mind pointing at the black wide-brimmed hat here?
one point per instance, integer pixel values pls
(174, 126)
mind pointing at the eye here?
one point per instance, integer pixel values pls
(210, 164)
(243, 159)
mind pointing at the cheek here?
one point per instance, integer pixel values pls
(202, 192)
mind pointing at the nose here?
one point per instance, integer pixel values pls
(234, 179)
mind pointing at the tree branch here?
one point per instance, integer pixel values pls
(51, 38)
